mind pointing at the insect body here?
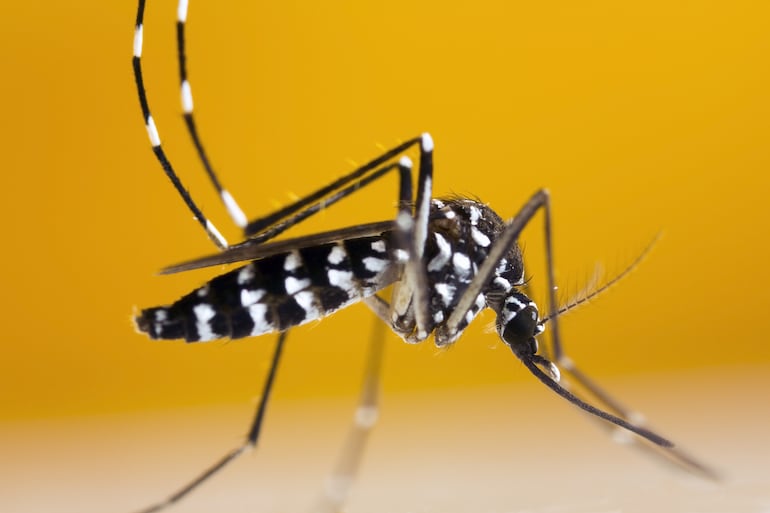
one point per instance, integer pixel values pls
(287, 289)
(442, 260)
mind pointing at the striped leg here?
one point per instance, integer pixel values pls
(212, 232)
(264, 228)
(340, 480)
(236, 214)
(409, 310)
(249, 442)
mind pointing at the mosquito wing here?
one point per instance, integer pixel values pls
(249, 250)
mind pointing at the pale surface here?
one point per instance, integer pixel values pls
(504, 449)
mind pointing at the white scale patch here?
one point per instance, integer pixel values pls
(438, 316)
(444, 254)
(203, 314)
(294, 285)
(446, 291)
(246, 274)
(152, 132)
(401, 255)
(187, 98)
(292, 262)
(203, 291)
(214, 233)
(374, 264)
(378, 246)
(502, 283)
(336, 255)
(181, 12)
(257, 313)
(479, 238)
(306, 300)
(342, 280)
(235, 211)
(138, 37)
(475, 215)
(250, 297)
(427, 142)
(461, 263)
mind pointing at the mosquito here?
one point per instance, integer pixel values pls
(444, 260)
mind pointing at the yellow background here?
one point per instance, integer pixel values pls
(638, 118)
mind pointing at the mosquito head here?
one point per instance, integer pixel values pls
(518, 323)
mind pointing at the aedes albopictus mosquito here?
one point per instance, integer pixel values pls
(446, 260)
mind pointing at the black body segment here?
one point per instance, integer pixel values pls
(277, 292)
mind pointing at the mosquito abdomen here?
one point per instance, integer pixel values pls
(275, 293)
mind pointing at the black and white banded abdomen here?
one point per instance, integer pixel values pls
(277, 292)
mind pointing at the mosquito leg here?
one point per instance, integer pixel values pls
(152, 132)
(405, 191)
(320, 196)
(674, 455)
(249, 442)
(341, 479)
(412, 234)
(236, 214)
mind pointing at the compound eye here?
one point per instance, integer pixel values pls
(522, 327)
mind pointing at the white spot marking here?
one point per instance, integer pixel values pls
(337, 487)
(187, 98)
(292, 262)
(446, 292)
(480, 239)
(444, 253)
(378, 246)
(161, 315)
(257, 313)
(138, 38)
(374, 264)
(306, 300)
(400, 255)
(475, 215)
(554, 372)
(404, 221)
(152, 131)
(246, 274)
(469, 316)
(405, 162)
(336, 255)
(427, 142)
(203, 314)
(462, 264)
(437, 203)
(438, 316)
(366, 416)
(502, 283)
(216, 235)
(234, 210)
(181, 11)
(294, 285)
(203, 291)
(423, 211)
(341, 279)
(250, 297)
